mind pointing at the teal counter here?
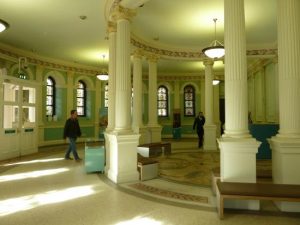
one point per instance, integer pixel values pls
(262, 132)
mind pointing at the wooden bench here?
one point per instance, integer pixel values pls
(262, 176)
(256, 191)
(147, 167)
(154, 149)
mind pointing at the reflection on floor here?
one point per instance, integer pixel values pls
(46, 189)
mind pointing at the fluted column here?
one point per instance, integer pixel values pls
(137, 120)
(70, 92)
(176, 96)
(121, 143)
(208, 91)
(260, 96)
(137, 116)
(123, 83)
(289, 67)
(216, 108)
(286, 144)
(202, 94)
(39, 102)
(112, 31)
(236, 110)
(155, 129)
(152, 93)
(238, 149)
(209, 126)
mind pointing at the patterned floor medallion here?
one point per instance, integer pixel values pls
(190, 168)
(169, 194)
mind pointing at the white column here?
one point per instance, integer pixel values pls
(251, 96)
(112, 77)
(260, 96)
(176, 96)
(152, 93)
(209, 126)
(98, 101)
(70, 92)
(123, 83)
(202, 94)
(216, 108)
(40, 100)
(122, 142)
(286, 144)
(137, 92)
(137, 116)
(238, 149)
(154, 128)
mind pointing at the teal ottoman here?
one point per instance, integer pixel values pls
(94, 158)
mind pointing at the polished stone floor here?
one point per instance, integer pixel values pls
(46, 189)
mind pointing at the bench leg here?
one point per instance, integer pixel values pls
(221, 209)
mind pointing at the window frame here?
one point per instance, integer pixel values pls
(84, 106)
(166, 101)
(185, 100)
(53, 96)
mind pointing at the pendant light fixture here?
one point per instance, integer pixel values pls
(103, 75)
(3, 25)
(216, 49)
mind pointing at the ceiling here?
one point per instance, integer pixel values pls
(54, 28)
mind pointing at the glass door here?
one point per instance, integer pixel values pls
(19, 119)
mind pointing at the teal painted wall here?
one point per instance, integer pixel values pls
(51, 134)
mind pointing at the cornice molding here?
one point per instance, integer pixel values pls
(175, 53)
(191, 55)
(177, 78)
(47, 63)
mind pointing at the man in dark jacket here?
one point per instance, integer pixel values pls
(198, 123)
(72, 131)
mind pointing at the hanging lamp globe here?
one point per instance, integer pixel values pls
(216, 49)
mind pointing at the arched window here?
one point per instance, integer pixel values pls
(189, 100)
(81, 98)
(162, 101)
(50, 96)
(106, 95)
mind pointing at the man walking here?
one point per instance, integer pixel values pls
(198, 123)
(72, 131)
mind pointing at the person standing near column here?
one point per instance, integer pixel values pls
(72, 131)
(199, 123)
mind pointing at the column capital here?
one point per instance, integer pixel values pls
(123, 13)
(152, 57)
(208, 62)
(111, 27)
(138, 53)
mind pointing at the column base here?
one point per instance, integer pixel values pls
(238, 164)
(210, 138)
(145, 137)
(238, 159)
(155, 133)
(122, 159)
(285, 166)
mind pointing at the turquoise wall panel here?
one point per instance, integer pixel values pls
(51, 134)
(88, 132)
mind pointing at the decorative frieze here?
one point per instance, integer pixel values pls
(46, 64)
